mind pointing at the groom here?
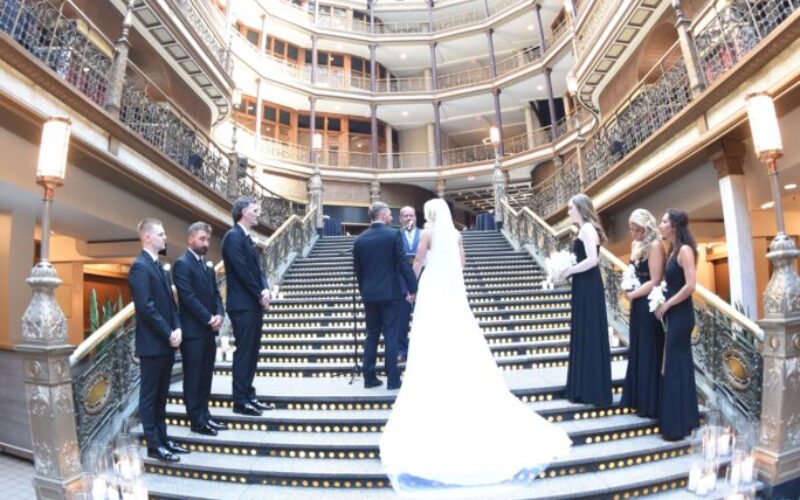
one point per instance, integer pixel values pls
(386, 282)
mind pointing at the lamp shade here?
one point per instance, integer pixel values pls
(572, 83)
(316, 141)
(764, 124)
(494, 135)
(237, 97)
(53, 150)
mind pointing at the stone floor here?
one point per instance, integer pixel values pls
(16, 478)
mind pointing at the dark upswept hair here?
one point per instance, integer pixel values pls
(586, 208)
(239, 205)
(680, 222)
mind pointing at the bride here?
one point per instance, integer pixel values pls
(456, 430)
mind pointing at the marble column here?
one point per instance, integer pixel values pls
(374, 191)
(728, 161)
(431, 143)
(259, 113)
(389, 146)
(529, 128)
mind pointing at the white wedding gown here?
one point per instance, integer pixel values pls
(456, 430)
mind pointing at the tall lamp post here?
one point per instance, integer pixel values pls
(778, 449)
(233, 161)
(48, 387)
(498, 179)
(315, 184)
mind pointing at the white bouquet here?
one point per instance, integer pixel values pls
(629, 280)
(656, 296)
(557, 263)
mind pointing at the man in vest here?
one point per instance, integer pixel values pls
(411, 234)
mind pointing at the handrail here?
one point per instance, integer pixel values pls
(711, 298)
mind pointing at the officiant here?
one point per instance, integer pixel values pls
(411, 234)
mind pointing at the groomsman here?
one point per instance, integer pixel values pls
(201, 316)
(247, 297)
(385, 279)
(411, 234)
(158, 334)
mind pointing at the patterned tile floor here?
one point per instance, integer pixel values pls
(16, 478)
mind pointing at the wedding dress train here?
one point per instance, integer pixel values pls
(456, 429)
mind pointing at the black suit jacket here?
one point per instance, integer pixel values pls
(381, 265)
(198, 296)
(156, 314)
(243, 275)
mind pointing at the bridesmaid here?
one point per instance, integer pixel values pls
(678, 415)
(645, 352)
(589, 373)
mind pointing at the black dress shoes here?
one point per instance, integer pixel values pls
(162, 453)
(392, 387)
(216, 425)
(176, 448)
(262, 406)
(369, 384)
(206, 430)
(246, 409)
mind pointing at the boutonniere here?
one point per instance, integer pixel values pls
(167, 268)
(210, 266)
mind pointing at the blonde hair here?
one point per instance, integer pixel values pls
(646, 221)
(585, 207)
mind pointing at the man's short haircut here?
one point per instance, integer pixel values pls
(375, 210)
(147, 224)
(199, 226)
(407, 207)
(239, 205)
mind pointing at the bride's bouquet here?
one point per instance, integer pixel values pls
(629, 280)
(557, 263)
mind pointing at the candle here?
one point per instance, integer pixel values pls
(711, 480)
(709, 447)
(702, 487)
(694, 477)
(724, 443)
(746, 469)
(124, 467)
(99, 488)
(736, 474)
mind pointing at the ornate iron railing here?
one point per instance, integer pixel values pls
(295, 235)
(274, 209)
(57, 38)
(722, 42)
(188, 11)
(724, 342)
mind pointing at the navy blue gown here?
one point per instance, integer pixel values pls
(679, 415)
(589, 373)
(642, 388)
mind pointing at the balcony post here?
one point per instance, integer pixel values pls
(498, 120)
(315, 190)
(688, 50)
(116, 79)
(430, 16)
(259, 112)
(551, 103)
(492, 61)
(434, 71)
(262, 39)
(389, 147)
(316, 12)
(312, 127)
(372, 67)
(542, 45)
(437, 134)
(531, 140)
(372, 18)
(499, 181)
(486, 9)
(314, 60)
(373, 139)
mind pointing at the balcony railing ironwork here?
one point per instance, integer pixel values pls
(726, 39)
(55, 36)
(189, 12)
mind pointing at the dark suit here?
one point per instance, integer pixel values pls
(410, 247)
(384, 276)
(156, 318)
(245, 281)
(199, 301)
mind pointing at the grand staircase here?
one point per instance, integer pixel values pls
(322, 440)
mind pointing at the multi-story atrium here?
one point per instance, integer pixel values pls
(118, 110)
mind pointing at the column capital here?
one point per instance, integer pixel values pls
(728, 157)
